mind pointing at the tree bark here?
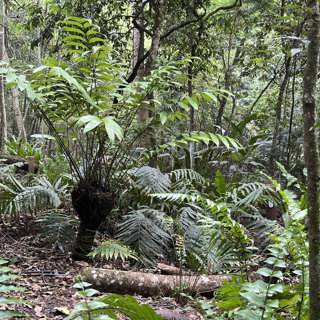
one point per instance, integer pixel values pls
(311, 155)
(3, 111)
(18, 114)
(148, 284)
(274, 154)
(138, 38)
(92, 205)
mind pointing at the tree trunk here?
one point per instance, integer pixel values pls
(148, 284)
(137, 37)
(18, 114)
(274, 154)
(3, 112)
(144, 111)
(311, 156)
(92, 205)
(190, 163)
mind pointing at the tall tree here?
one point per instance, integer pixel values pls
(3, 112)
(311, 155)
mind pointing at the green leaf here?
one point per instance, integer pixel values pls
(193, 102)
(70, 29)
(220, 183)
(265, 272)
(208, 96)
(96, 40)
(72, 81)
(91, 122)
(163, 117)
(253, 298)
(113, 129)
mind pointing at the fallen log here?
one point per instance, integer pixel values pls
(29, 164)
(150, 285)
(169, 270)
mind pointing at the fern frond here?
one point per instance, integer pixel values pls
(151, 180)
(145, 230)
(176, 197)
(57, 228)
(113, 250)
(16, 198)
(197, 137)
(186, 174)
(251, 192)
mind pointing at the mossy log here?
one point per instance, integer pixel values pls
(149, 284)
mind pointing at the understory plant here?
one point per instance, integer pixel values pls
(108, 307)
(278, 289)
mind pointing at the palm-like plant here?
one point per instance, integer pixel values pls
(89, 101)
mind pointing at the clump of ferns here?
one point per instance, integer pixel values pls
(17, 197)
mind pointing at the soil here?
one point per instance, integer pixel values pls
(48, 277)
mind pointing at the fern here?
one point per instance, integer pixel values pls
(58, 228)
(177, 197)
(151, 180)
(186, 174)
(199, 137)
(252, 192)
(113, 250)
(16, 198)
(145, 230)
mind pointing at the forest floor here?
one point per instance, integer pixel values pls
(48, 278)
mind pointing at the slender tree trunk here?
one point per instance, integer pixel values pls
(145, 112)
(3, 111)
(311, 156)
(223, 100)
(275, 148)
(191, 114)
(18, 114)
(138, 37)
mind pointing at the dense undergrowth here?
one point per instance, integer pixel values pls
(115, 178)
